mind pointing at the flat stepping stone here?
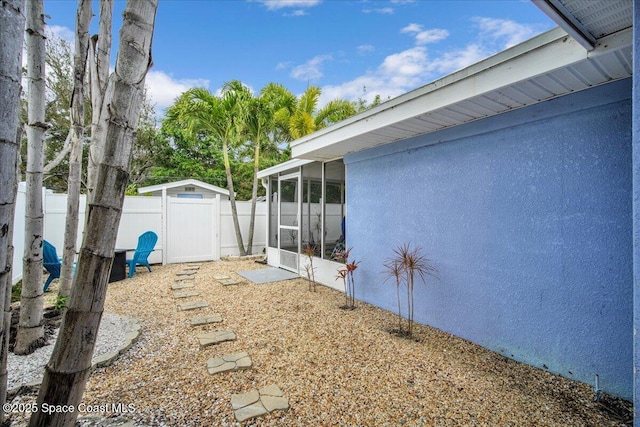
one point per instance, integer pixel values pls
(185, 294)
(205, 320)
(230, 282)
(184, 278)
(231, 362)
(193, 265)
(179, 286)
(192, 305)
(256, 403)
(185, 273)
(213, 338)
(222, 277)
(191, 268)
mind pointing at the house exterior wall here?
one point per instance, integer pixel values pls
(527, 217)
(636, 209)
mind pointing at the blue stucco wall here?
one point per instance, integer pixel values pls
(527, 217)
(636, 209)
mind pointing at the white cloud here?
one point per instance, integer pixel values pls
(64, 33)
(425, 36)
(416, 66)
(505, 32)
(310, 70)
(298, 12)
(282, 4)
(458, 59)
(381, 10)
(412, 28)
(163, 89)
(365, 48)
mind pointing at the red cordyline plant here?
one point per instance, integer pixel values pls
(346, 274)
(407, 265)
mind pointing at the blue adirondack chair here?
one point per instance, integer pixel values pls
(146, 243)
(51, 263)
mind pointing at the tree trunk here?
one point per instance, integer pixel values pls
(12, 21)
(232, 198)
(70, 364)
(30, 329)
(254, 195)
(99, 55)
(83, 20)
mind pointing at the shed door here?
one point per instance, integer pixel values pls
(191, 230)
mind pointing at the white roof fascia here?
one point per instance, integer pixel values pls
(561, 16)
(547, 52)
(282, 167)
(159, 187)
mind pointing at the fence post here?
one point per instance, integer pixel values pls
(165, 243)
(217, 221)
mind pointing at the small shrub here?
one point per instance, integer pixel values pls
(347, 276)
(406, 266)
(309, 251)
(16, 290)
(61, 302)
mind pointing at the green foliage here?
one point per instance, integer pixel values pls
(61, 302)
(16, 290)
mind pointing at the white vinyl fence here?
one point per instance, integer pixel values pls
(187, 229)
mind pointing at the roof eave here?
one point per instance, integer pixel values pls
(549, 51)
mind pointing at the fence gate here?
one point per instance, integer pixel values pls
(192, 230)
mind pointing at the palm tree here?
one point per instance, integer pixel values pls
(221, 118)
(306, 118)
(264, 132)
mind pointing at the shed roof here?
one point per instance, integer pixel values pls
(184, 182)
(548, 66)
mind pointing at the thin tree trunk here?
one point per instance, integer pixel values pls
(70, 364)
(254, 196)
(12, 22)
(99, 55)
(30, 329)
(232, 198)
(66, 148)
(83, 20)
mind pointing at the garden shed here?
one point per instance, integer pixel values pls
(186, 189)
(516, 177)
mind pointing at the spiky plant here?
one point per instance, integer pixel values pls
(394, 271)
(309, 251)
(413, 264)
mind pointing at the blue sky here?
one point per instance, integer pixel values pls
(389, 47)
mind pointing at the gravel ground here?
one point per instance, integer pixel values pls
(29, 368)
(338, 368)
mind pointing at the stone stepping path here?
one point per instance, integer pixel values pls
(193, 265)
(205, 320)
(222, 277)
(179, 286)
(256, 403)
(231, 362)
(184, 278)
(185, 294)
(230, 282)
(185, 273)
(213, 338)
(192, 305)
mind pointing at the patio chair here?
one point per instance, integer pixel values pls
(52, 263)
(146, 244)
(340, 248)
